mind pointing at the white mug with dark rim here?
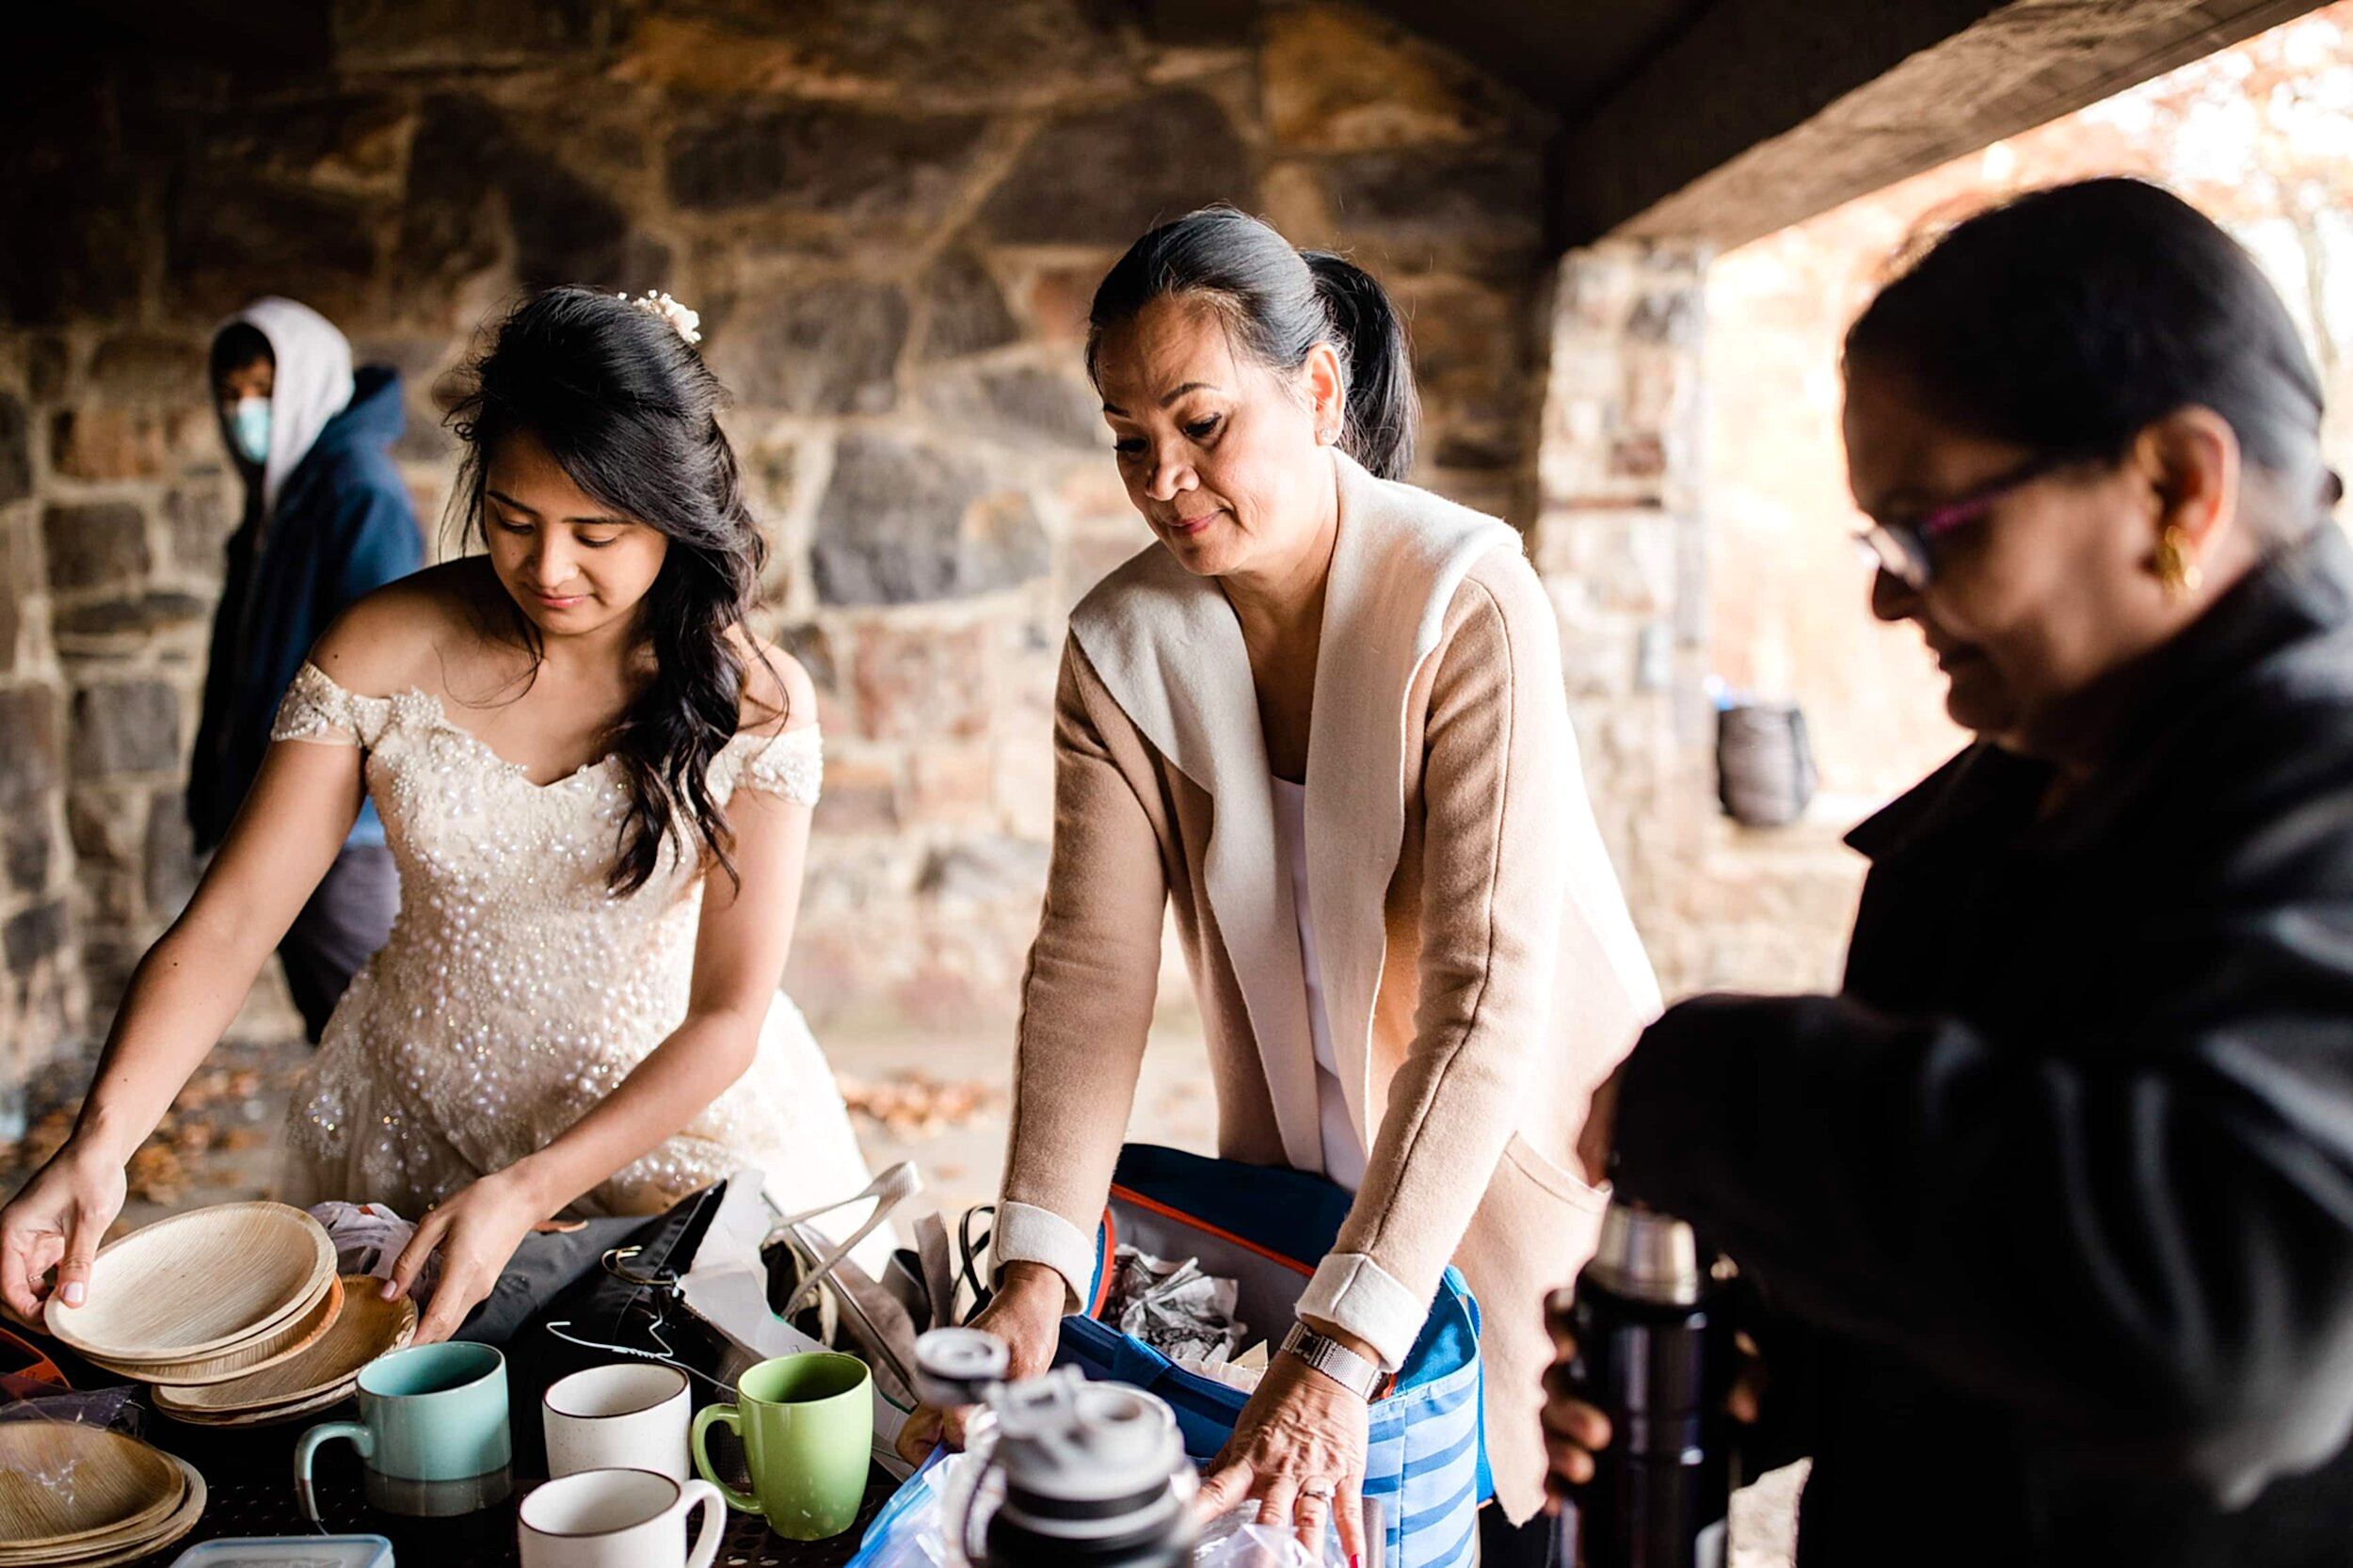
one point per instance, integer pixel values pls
(618, 1519)
(629, 1416)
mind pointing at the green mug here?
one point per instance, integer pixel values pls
(432, 1432)
(806, 1423)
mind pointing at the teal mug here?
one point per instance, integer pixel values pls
(432, 1432)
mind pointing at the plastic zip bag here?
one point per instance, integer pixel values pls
(915, 1528)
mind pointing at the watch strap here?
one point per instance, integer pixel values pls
(1335, 1360)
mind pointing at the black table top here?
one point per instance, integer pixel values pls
(267, 1507)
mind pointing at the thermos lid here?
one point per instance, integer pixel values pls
(958, 1366)
(1647, 1257)
(1064, 1438)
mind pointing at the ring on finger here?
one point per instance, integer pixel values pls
(1320, 1490)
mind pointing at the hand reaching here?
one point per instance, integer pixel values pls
(1576, 1430)
(1299, 1449)
(1026, 1313)
(58, 1221)
(476, 1231)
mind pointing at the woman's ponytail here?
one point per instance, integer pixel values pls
(1384, 409)
(1281, 302)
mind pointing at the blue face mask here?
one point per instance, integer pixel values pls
(248, 429)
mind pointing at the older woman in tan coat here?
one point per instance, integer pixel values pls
(1324, 716)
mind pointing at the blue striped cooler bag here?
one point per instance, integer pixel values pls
(1266, 1228)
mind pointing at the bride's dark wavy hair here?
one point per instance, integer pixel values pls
(628, 408)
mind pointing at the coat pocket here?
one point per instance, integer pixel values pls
(1561, 1182)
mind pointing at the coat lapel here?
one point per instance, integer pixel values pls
(1400, 556)
(1166, 645)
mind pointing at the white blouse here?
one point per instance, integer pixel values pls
(1343, 1152)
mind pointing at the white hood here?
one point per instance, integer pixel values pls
(314, 384)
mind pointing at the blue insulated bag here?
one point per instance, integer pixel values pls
(1267, 1228)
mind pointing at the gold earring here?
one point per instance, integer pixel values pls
(2177, 573)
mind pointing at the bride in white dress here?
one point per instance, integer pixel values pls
(597, 786)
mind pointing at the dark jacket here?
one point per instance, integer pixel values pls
(344, 527)
(2055, 1200)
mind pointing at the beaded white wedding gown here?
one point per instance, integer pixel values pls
(516, 990)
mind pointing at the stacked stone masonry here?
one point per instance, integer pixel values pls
(892, 219)
(1617, 537)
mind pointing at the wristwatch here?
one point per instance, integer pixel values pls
(1334, 1360)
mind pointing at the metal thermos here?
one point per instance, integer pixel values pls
(1081, 1475)
(1654, 1352)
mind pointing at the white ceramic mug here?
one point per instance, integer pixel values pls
(630, 1415)
(618, 1519)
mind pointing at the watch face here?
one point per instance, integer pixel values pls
(1334, 1360)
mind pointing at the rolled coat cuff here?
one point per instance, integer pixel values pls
(1027, 1234)
(1353, 1292)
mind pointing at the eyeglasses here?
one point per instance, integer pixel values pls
(1902, 549)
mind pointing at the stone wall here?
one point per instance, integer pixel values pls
(1618, 541)
(1622, 537)
(890, 215)
(40, 974)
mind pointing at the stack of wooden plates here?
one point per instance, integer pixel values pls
(322, 1375)
(76, 1496)
(206, 1297)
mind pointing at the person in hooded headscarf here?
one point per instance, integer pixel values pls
(327, 520)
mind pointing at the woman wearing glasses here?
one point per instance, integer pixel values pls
(2053, 1203)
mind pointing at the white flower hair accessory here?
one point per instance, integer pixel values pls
(687, 324)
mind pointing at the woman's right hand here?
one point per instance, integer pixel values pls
(58, 1221)
(1576, 1430)
(1026, 1313)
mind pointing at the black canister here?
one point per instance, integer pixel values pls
(1078, 1474)
(1654, 1352)
(1094, 1477)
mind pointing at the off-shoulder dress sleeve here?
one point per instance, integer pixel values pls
(791, 764)
(316, 709)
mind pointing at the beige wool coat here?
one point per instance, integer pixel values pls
(1481, 973)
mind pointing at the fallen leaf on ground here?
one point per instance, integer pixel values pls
(155, 1173)
(915, 1105)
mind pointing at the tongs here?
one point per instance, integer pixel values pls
(887, 1190)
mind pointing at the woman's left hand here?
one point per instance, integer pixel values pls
(477, 1231)
(1299, 1448)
